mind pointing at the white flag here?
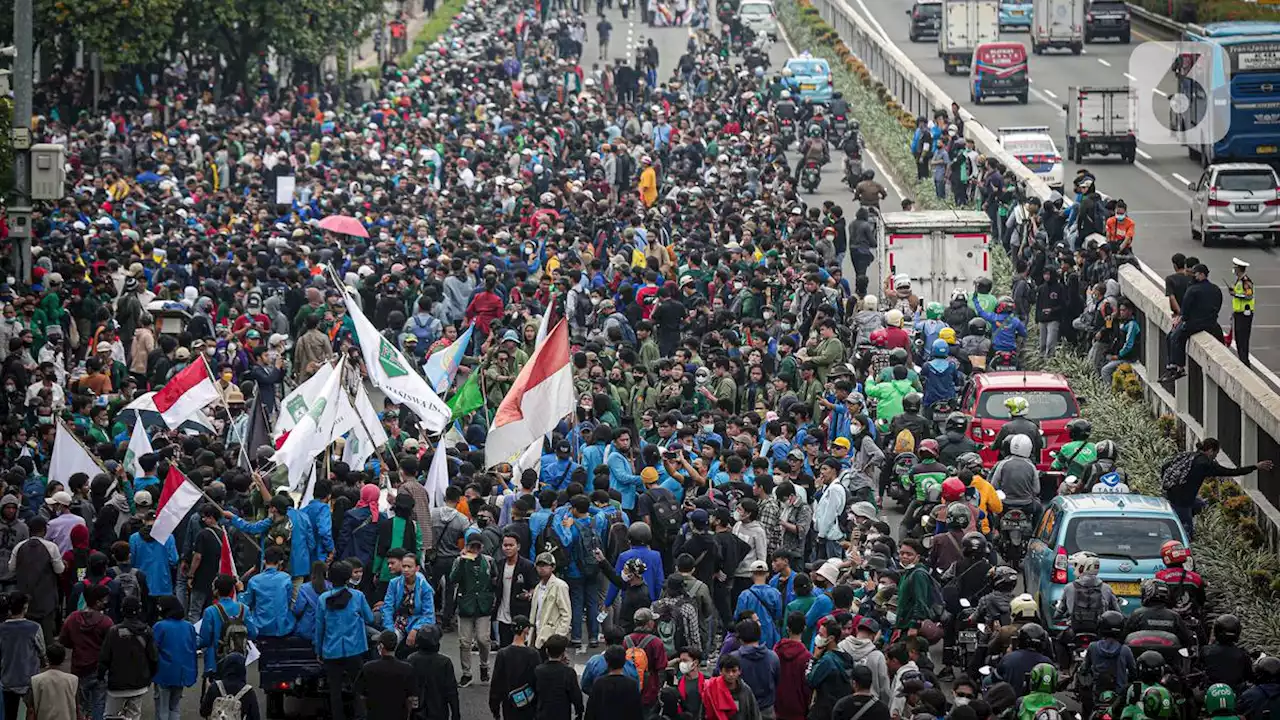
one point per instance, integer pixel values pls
(391, 372)
(70, 457)
(438, 476)
(139, 445)
(530, 459)
(329, 417)
(364, 438)
(296, 403)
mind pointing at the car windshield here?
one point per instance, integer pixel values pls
(930, 10)
(1107, 7)
(1042, 404)
(1023, 146)
(808, 67)
(756, 9)
(1135, 537)
(1242, 180)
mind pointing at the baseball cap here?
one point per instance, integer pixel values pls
(759, 566)
(643, 615)
(473, 536)
(842, 442)
(520, 622)
(546, 558)
(142, 498)
(62, 497)
(870, 624)
(699, 518)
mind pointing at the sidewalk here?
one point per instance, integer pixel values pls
(367, 56)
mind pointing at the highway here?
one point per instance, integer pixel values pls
(1155, 186)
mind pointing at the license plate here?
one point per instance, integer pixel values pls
(1266, 149)
(1126, 589)
(1017, 12)
(968, 637)
(808, 86)
(1246, 207)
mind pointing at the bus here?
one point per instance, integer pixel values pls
(1232, 91)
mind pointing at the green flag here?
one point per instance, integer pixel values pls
(467, 399)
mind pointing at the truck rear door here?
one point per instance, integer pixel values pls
(986, 22)
(956, 31)
(939, 260)
(1104, 112)
(1060, 20)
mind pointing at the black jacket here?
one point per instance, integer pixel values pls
(128, 659)
(615, 697)
(1200, 305)
(523, 578)
(513, 669)
(557, 691)
(437, 686)
(387, 685)
(850, 706)
(232, 673)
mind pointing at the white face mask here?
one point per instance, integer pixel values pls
(891, 617)
(961, 701)
(686, 667)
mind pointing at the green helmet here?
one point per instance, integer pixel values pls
(1016, 405)
(1157, 703)
(1220, 699)
(1044, 679)
(933, 311)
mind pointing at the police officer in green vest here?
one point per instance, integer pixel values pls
(1242, 308)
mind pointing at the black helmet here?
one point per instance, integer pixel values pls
(1266, 670)
(1154, 591)
(970, 461)
(974, 546)
(912, 402)
(957, 422)
(1226, 628)
(1031, 636)
(1111, 624)
(957, 516)
(1150, 667)
(983, 285)
(868, 174)
(1003, 578)
(639, 533)
(1107, 450)
(1079, 429)
(898, 356)
(977, 326)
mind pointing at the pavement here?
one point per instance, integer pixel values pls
(1155, 186)
(367, 56)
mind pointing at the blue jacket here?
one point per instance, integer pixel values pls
(1007, 328)
(301, 539)
(654, 576)
(787, 590)
(321, 517)
(340, 627)
(556, 472)
(267, 595)
(424, 604)
(176, 641)
(760, 668)
(596, 669)
(624, 479)
(305, 608)
(358, 537)
(570, 537)
(766, 603)
(155, 561)
(942, 380)
(593, 456)
(211, 629)
(537, 523)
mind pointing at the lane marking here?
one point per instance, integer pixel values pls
(874, 23)
(1050, 94)
(1042, 96)
(1130, 78)
(1143, 154)
(1181, 179)
(1104, 62)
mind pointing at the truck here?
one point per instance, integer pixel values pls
(1057, 24)
(940, 250)
(966, 24)
(1100, 121)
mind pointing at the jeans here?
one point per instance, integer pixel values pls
(1109, 370)
(197, 601)
(124, 707)
(342, 672)
(1187, 514)
(1049, 333)
(168, 702)
(445, 602)
(473, 629)
(940, 187)
(91, 695)
(584, 597)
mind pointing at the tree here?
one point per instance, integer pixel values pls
(122, 32)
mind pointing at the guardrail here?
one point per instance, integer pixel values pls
(1219, 396)
(1168, 25)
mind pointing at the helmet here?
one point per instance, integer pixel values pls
(1044, 677)
(1220, 698)
(1003, 577)
(959, 293)
(1004, 305)
(947, 335)
(952, 490)
(868, 174)
(1047, 713)
(1111, 624)
(957, 516)
(639, 533)
(1150, 666)
(786, 72)
(1085, 563)
(977, 326)
(1157, 703)
(902, 283)
(970, 461)
(982, 285)
(1226, 628)
(1016, 405)
(853, 125)
(1266, 670)
(1020, 445)
(1024, 606)
(814, 130)
(898, 356)
(1154, 591)
(912, 402)
(940, 348)
(893, 318)
(786, 94)
(634, 567)
(1079, 429)
(1173, 552)
(957, 422)
(974, 545)
(1031, 636)
(1107, 450)
(933, 310)
(928, 448)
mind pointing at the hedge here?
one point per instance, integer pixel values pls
(1206, 11)
(430, 32)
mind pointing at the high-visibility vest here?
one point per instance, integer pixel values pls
(1241, 298)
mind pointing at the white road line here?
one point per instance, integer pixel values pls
(1160, 92)
(1104, 62)
(1050, 94)
(1180, 179)
(1042, 96)
(866, 12)
(1143, 154)
(1179, 192)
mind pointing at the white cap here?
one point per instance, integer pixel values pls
(1239, 263)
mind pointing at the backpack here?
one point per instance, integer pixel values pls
(234, 637)
(677, 620)
(228, 707)
(426, 334)
(937, 603)
(1086, 609)
(280, 534)
(87, 583)
(1175, 471)
(665, 514)
(616, 536)
(549, 542)
(638, 657)
(130, 587)
(588, 543)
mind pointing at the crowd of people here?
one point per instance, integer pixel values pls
(708, 532)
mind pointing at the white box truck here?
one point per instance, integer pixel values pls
(1057, 24)
(940, 250)
(1100, 121)
(966, 24)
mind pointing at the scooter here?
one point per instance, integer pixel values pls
(898, 486)
(852, 170)
(811, 176)
(1003, 360)
(1015, 533)
(971, 639)
(786, 132)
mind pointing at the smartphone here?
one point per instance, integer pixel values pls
(604, 614)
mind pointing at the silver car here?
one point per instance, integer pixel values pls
(760, 17)
(1236, 199)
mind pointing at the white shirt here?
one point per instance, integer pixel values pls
(504, 607)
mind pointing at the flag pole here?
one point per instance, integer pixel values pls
(222, 397)
(381, 460)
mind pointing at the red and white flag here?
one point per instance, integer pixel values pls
(226, 563)
(542, 395)
(176, 500)
(185, 395)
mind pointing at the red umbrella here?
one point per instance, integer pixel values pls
(344, 225)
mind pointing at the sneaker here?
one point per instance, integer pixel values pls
(465, 681)
(484, 674)
(593, 644)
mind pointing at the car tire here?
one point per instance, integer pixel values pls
(1036, 49)
(275, 706)
(913, 37)
(1088, 39)
(1191, 224)
(1124, 39)
(1022, 98)
(1077, 49)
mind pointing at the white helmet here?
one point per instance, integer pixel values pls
(786, 72)
(893, 318)
(871, 302)
(1023, 606)
(1085, 563)
(786, 94)
(902, 282)
(1020, 445)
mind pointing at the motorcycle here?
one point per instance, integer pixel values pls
(899, 485)
(839, 124)
(852, 170)
(1003, 360)
(786, 131)
(811, 176)
(1015, 532)
(971, 639)
(939, 410)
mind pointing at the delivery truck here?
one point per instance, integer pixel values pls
(940, 250)
(1057, 24)
(966, 24)
(1100, 121)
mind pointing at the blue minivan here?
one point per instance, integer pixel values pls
(1125, 531)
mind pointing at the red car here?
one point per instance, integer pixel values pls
(1051, 401)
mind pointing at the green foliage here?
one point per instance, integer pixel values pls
(439, 22)
(6, 148)
(121, 31)
(1206, 11)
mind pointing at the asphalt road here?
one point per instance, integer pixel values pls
(1155, 187)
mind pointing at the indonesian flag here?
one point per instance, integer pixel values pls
(542, 395)
(185, 395)
(226, 564)
(176, 500)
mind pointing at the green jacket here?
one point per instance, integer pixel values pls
(474, 580)
(914, 590)
(1033, 703)
(888, 397)
(1075, 457)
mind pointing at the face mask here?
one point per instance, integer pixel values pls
(891, 617)
(768, 316)
(1119, 216)
(961, 701)
(686, 667)
(46, 419)
(786, 326)
(708, 429)
(595, 301)
(737, 286)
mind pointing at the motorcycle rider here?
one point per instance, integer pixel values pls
(869, 318)
(1155, 614)
(851, 144)
(954, 441)
(1083, 603)
(911, 420)
(1106, 459)
(931, 324)
(1150, 673)
(1263, 699)
(958, 313)
(1023, 610)
(785, 111)
(899, 356)
(1157, 703)
(1108, 662)
(1041, 686)
(1017, 476)
(815, 152)
(982, 294)
(981, 493)
(897, 292)
(1078, 453)
(1008, 328)
(941, 377)
(946, 548)
(869, 193)
(997, 605)
(975, 346)
(1224, 661)
(892, 335)
(1186, 587)
(1220, 702)
(1016, 667)
(966, 579)
(1019, 424)
(925, 482)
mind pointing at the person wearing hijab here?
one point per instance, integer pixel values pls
(359, 535)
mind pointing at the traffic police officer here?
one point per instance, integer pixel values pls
(1242, 308)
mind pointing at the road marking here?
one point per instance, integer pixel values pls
(1130, 78)
(1104, 62)
(1181, 179)
(1050, 94)
(1160, 92)
(1042, 96)
(875, 23)
(1143, 154)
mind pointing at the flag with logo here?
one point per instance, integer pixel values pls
(367, 435)
(390, 371)
(139, 445)
(443, 364)
(297, 403)
(329, 416)
(468, 399)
